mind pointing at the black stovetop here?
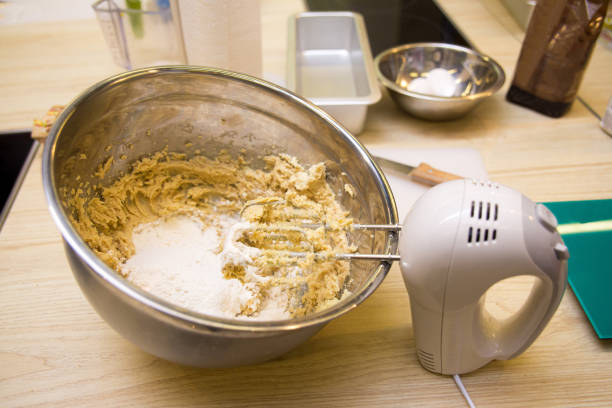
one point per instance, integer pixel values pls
(15, 151)
(395, 22)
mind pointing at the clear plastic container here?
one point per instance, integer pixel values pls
(606, 32)
(139, 33)
(606, 121)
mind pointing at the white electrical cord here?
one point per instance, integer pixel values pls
(463, 390)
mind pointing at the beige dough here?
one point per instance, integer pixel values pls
(282, 194)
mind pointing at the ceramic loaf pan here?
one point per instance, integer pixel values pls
(330, 63)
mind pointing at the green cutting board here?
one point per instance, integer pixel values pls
(590, 264)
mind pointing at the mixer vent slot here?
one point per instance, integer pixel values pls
(478, 235)
(427, 359)
(484, 210)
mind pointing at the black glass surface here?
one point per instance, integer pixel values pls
(395, 22)
(14, 150)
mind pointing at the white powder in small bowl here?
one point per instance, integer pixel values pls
(437, 82)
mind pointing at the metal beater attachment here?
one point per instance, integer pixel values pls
(290, 234)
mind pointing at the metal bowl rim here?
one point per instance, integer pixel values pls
(180, 315)
(501, 76)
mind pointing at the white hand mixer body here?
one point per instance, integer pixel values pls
(459, 239)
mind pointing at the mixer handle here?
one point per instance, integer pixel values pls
(516, 335)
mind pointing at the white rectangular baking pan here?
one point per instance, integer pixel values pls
(330, 63)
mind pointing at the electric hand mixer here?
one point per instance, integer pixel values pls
(460, 238)
(472, 235)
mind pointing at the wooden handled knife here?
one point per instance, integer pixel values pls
(423, 173)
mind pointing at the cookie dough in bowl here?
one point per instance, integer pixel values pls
(173, 226)
(161, 182)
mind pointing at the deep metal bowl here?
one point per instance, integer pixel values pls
(476, 77)
(202, 111)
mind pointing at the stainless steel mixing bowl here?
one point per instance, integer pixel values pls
(201, 111)
(476, 77)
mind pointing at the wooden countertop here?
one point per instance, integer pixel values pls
(56, 351)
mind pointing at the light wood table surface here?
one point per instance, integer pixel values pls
(56, 351)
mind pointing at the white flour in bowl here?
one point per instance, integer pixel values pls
(437, 82)
(179, 260)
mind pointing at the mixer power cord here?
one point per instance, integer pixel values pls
(464, 392)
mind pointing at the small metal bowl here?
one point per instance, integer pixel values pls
(475, 76)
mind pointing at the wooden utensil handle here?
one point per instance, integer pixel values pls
(41, 127)
(426, 174)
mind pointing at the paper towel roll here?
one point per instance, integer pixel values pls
(221, 33)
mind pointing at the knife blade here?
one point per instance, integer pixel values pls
(423, 173)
